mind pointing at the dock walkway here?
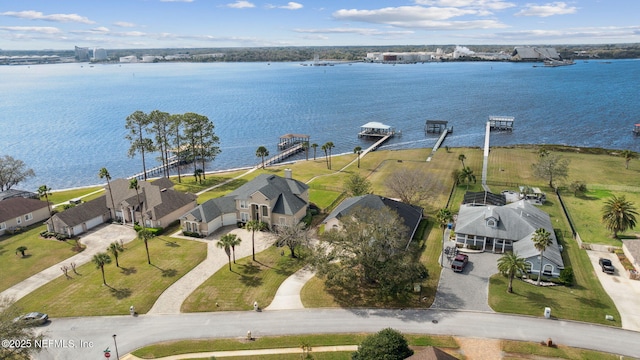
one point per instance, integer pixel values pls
(439, 142)
(283, 155)
(485, 160)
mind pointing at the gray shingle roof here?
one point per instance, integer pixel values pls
(213, 208)
(285, 191)
(18, 206)
(84, 212)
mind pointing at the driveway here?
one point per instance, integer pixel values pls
(468, 290)
(623, 291)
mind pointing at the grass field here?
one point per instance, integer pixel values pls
(40, 255)
(134, 283)
(248, 281)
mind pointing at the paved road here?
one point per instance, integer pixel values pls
(135, 332)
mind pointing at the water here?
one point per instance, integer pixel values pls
(66, 121)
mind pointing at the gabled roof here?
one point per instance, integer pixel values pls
(516, 221)
(410, 214)
(83, 212)
(286, 192)
(170, 201)
(212, 209)
(18, 206)
(163, 183)
(431, 353)
(11, 193)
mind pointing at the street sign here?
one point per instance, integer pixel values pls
(107, 355)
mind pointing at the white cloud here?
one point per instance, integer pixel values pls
(477, 4)
(124, 24)
(37, 15)
(550, 9)
(32, 29)
(241, 4)
(291, 6)
(348, 30)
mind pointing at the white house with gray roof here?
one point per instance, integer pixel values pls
(509, 228)
(271, 199)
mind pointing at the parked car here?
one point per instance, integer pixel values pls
(606, 265)
(459, 262)
(32, 318)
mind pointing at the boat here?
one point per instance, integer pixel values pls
(554, 62)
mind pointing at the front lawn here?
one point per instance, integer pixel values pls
(41, 254)
(248, 281)
(134, 283)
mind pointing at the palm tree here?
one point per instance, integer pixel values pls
(315, 147)
(104, 174)
(115, 248)
(628, 155)
(145, 235)
(133, 184)
(509, 265)
(234, 241)
(261, 153)
(618, 215)
(225, 243)
(330, 146)
(541, 241)
(467, 176)
(253, 226)
(43, 192)
(444, 217)
(305, 147)
(326, 154)
(358, 150)
(462, 158)
(102, 259)
(198, 175)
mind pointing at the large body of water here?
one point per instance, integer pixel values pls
(66, 121)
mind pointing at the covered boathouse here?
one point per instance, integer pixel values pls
(376, 129)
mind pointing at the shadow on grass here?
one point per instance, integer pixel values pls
(252, 281)
(169, 273)
(120, 293)
(128, 271)
(250, 268)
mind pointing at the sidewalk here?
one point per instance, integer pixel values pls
(220, 354)
(170, 301)
(288, 294)
(95, 241)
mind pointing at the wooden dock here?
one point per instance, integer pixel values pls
(501, 123)
(173, 162)
(439, 142)
(636, 130)
(282, 155)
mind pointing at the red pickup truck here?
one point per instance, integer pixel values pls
(459, 262)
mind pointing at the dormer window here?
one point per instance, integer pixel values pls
(492, 222)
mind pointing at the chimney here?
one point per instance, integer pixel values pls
(287, 174)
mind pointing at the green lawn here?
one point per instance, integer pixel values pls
(41, 254)
(248, 281)
(134, 283)
(528, 349)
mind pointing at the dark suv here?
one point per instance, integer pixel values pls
(606, 265)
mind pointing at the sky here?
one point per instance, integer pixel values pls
(129, 24)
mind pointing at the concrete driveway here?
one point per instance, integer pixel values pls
(623, 291)
(468, 290)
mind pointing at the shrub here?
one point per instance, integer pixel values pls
(566, 276)
(192, 234)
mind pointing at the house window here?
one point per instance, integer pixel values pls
(546, 271)
(282, 221)
(188, 226)
(19, 220)
(265, 211)
(28, 217)
(491, 223)
(244, 217)
(3, 226)
(243, 204)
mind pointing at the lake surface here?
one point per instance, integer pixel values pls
(66, 121)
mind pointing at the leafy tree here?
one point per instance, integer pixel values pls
(104, 174)
(578, 188)
(100, 260)
(466, 175)
(542, 152)
(133, 184)
(292, 236)
(462, 158)
(253, 226)
(444, 217)
(115, 248)
(387, 344)
(315, 147)
(628, 155)
(138, 125)
(145, 235)
(21, 250)
(369, 249)
(541, 241)
(198, 175)
(358, 150)
(566, 276)
(509, 265)
(13, 172)
(202, 141)
(225, 243)
(10, 329)
(44, 192)
(357, 185)
(551, 166)
(618, 215)
(261, 152)
(408, 185)
(160, 125)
